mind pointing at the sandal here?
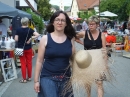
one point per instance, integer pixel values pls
(28, 79)
(23, 81)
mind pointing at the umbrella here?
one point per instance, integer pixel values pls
(107, 13)
(7, 11)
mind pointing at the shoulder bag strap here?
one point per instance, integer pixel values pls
(26, 38)
(91, 37)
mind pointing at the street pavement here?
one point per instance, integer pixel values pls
(118, 87)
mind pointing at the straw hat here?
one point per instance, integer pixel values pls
(83, 59)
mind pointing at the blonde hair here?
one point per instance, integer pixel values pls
(24, 21)
(94, 18)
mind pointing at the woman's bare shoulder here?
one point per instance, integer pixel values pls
(44, 37)
(44, 40)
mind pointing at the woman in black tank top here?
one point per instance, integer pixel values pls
(93, 39)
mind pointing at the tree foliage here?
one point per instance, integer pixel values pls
(66, 7)
(86, 14)
(56, 7)
(119, 7)
(44, 8)
(37, 20)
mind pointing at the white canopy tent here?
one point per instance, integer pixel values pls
(107, 13)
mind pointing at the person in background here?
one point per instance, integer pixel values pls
(3, 33)
(84, 25)
(74, 25)
(52, 69)
(127, 31)
(26, 59)
(127, 38)
(78, 27)
(9, 31)
(124, 26)
(3, 29)
(39, 38)
(99, 42)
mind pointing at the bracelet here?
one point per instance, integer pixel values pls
(36, 81)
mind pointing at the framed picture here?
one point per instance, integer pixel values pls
(8, 69)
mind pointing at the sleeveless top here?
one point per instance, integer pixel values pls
(88, 44)
(56, 57)
(22, 34)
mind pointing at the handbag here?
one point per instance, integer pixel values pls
(19, 51)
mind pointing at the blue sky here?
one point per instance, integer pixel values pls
(57, 2)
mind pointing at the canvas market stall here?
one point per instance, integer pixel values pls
(8, 61)
(7, 66)
(24, 14)
(7, 11)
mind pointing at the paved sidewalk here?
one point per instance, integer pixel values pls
(118, 88)
(16, 89)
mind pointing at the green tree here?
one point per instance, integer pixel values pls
(44, 8)
(86, 14)
(37, 21)
(66, 7)
(120, 7)
(56, 7)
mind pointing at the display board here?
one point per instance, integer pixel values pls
(8, 69)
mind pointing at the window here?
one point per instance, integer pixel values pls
(17, 3)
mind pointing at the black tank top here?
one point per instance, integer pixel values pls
(88, 44)
(57, 57)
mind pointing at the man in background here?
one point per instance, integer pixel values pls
(79, 27)
(3, 29)
(85, 25)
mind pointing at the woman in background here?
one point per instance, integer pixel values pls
(97, 42)
(26, 60)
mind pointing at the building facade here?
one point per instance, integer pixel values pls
(82, 5)
(74, 9)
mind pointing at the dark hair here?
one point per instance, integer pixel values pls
(69, 30)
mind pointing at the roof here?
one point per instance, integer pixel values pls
(86, 4)
(95, 3)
